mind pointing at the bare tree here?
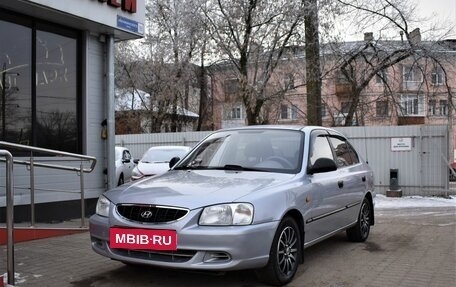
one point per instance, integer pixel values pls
(313, 69)
(252, 37)
(359, 64)
(162, 63)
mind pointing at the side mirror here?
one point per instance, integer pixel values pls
(173, 161)
(322, 165)
(136, 161)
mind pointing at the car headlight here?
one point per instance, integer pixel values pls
(227, 214)
(136, 174)
(102, 208)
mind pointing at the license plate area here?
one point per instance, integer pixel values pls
(142, 239)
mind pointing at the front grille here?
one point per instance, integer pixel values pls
(179, 256)
(151, 214)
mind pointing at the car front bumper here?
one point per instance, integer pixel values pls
(214, 248)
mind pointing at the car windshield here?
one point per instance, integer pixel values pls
(163, 155)
(269, 150)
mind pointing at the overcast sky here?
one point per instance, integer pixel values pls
(440, 13)
(444, 9)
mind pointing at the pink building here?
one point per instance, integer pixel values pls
(418, 90)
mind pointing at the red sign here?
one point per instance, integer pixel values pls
(126, 5)
(145, 239)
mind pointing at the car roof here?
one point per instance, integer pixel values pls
(164, 147)
(284, 127)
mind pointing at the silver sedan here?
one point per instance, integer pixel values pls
(247, 198)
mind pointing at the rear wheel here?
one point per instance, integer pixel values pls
(284, 256)
(360, 231)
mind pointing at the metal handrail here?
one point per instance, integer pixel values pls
(9, 214)
(52, 152)
(79, 170)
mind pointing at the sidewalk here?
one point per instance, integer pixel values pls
(408, 246)
(23, 231)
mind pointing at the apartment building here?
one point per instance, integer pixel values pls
(417, 90)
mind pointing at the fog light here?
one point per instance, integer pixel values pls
(216, 257)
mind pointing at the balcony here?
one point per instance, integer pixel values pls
(410, 120)
(343, 89)
(412, 85)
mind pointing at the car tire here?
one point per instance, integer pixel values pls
(360, 231)
(284, 256)
(121, 180)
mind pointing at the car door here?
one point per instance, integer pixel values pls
(352, 181)
(323, 190)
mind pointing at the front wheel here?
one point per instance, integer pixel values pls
(360, 231)
(284, 255)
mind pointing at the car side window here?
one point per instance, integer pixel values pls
(345, 155)
(126, 155)
(320, 148)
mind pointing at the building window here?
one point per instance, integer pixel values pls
(340, 78)
(289, 113)
(231, 87)
(412, 77)
(381, 78)
(382, 108)
(234, 112)
(443, 107)
(289, 82)
(324, 110)
(412, 105)
(432, 108)
(437, 76)
(41, 85)
(345, 107)
(294, 112)
(284, 112)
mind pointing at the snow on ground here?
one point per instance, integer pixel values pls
(383, 202)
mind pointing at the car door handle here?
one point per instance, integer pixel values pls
(340, 183)
(363, 178)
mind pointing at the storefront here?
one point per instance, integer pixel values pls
(57, 87)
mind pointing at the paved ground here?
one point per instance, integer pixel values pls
(408, 247)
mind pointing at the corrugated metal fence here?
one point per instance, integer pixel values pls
(418, 153)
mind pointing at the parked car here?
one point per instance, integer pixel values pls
(452, 172)
(246, 198)
(124, 165)
(156, 160)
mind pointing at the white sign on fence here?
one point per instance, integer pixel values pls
(401, 144)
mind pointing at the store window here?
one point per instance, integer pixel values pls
(40, 85)
(16, 83)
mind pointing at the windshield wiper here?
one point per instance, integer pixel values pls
(225, 167)
(191, 167)
(238, 168)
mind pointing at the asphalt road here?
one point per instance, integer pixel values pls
(406, 247)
